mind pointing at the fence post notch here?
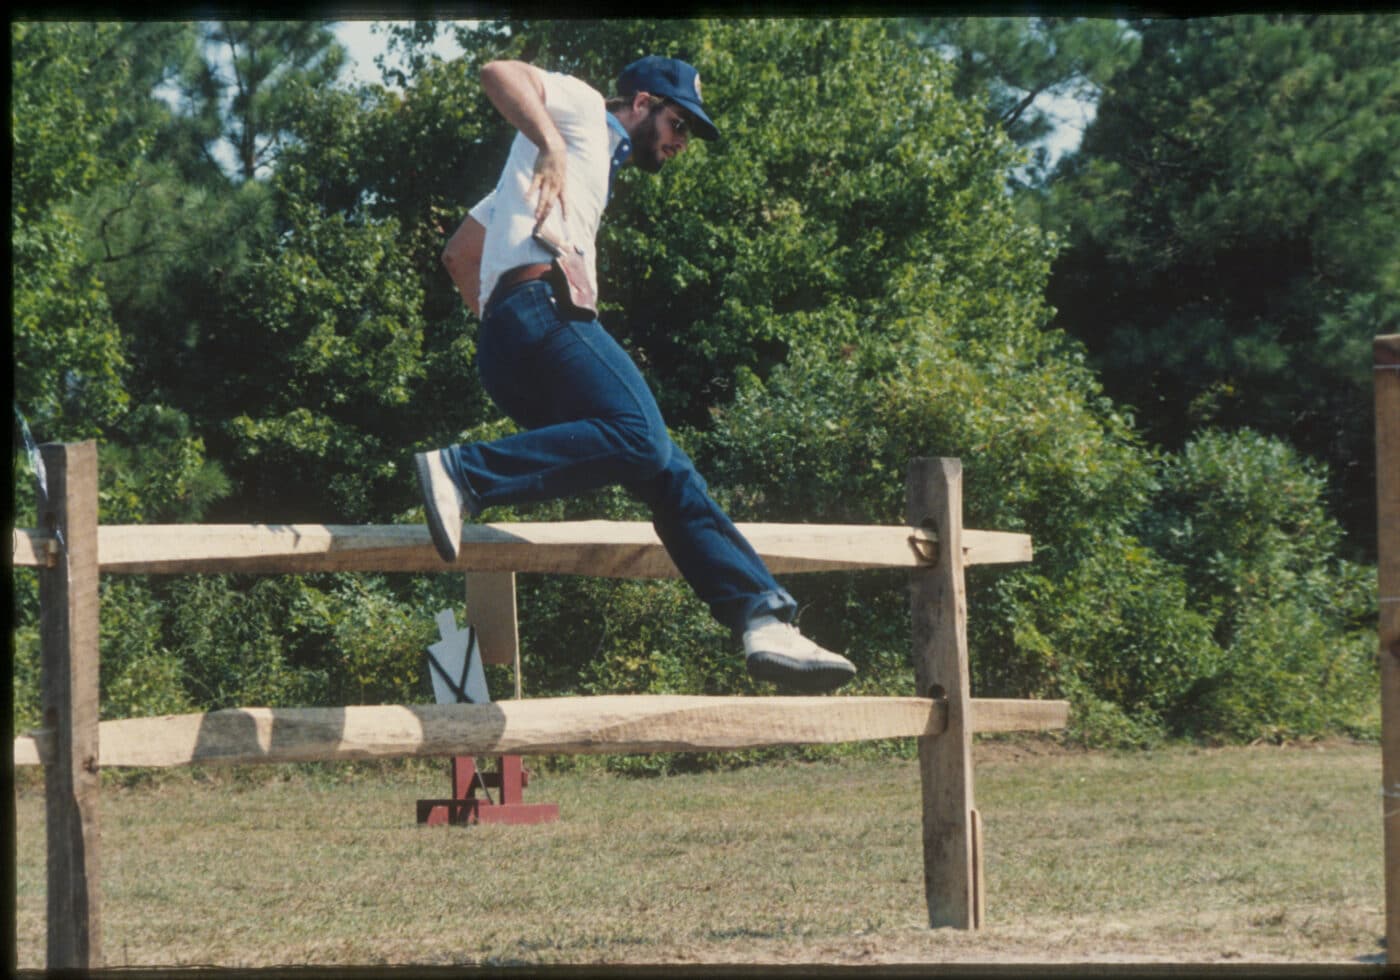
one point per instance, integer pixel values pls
(938, 606)
(68, 605)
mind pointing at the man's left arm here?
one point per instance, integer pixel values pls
(462, 257)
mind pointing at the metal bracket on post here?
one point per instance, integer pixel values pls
(938, 603)
(68, 605)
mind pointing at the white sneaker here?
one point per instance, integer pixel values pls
(777, 652)
(442, 503)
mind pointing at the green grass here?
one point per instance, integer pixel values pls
(1180, 854)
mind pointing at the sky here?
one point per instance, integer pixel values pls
(364, 45)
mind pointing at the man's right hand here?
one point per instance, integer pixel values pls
(549, 179)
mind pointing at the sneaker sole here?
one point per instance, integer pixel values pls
(442, 538)
(795, 675)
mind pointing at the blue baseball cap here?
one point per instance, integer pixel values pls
(671, 79)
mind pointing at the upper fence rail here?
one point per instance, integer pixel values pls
(610, 549)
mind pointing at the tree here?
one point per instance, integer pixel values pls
(840, 283)
(246, 86)
(1234, 228)
(1015, 66)
(69, 363)
(167, 226)
(180, 247)
(792, 229)
(82, 121)
(101, 217)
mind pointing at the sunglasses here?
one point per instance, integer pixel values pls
(680, 126)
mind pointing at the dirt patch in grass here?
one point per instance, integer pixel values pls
(1259, 854)
(1022, 748)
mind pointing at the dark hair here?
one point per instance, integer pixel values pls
(619, 102)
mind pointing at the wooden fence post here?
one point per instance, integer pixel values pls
(69, 638)
(938, 601)
(1387, 380)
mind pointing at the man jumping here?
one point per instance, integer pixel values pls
(524, 260)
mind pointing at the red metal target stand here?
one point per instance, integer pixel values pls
(465, 807)
(492, 615)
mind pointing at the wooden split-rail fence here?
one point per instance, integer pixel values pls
(69, 551)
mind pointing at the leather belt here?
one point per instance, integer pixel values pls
(517, 276)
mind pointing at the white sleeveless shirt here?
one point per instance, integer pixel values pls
(508, 212)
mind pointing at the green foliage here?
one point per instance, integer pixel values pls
(1015, 65)
(840, 284)
(252, 99)
(56, 120)
(68, 352)
(659, 639)
(1234, 242)
(1245, 517)
(316, 370)
(206, 642)
(831, 190)
(1117, 636)
(167, 247)
(1248, 514)
(71, 138)
(1291, 673)
(374, 642)
(158, 472)
(845, 165)
(236, 643)
(26, 682)
(140, 675)
(1099, 618)
(292, 640)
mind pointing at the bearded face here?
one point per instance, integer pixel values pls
(663, 135)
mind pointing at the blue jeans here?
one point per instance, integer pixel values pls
(591, 421)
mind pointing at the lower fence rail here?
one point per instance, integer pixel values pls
(71, 551)
(610, 724)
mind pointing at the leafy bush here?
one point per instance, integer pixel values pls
(25, 679)
(1244, 517)
(1097, 617)
(658, 638)
(1291, 673)
(373, 643)
(236, 641)
(154, 470)
(139, 673)
(1158, 585)
(1117, 636)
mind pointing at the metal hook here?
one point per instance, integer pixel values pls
(924, 541)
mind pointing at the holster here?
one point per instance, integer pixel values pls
(577, 299)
